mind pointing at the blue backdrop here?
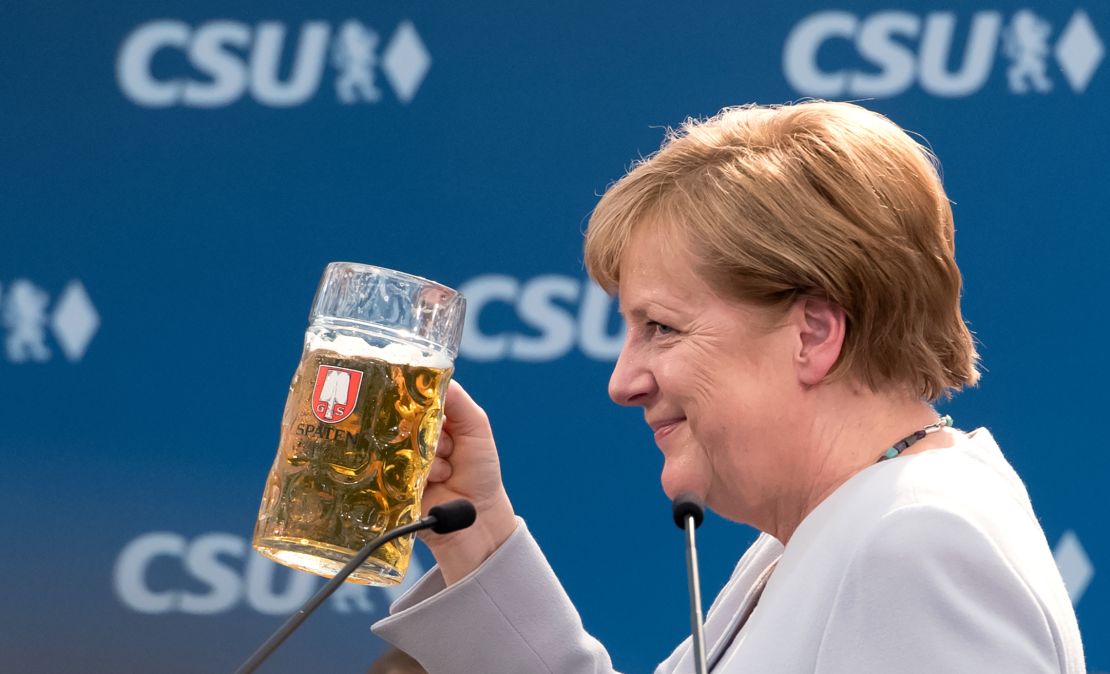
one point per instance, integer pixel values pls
(174, 176)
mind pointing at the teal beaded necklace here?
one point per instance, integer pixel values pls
(905, 442)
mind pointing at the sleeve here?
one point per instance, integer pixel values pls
(929, 592)
(510, 615)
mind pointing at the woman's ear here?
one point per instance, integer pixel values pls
(821, 326)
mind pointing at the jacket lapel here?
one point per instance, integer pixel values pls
(736, 601)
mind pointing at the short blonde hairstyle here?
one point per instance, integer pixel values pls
(812, 199)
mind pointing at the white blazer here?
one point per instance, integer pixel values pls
(928, 563)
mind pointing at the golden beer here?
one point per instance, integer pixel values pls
(358, 437)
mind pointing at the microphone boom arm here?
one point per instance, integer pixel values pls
(697, 630)
(688, 513)
(445, 518)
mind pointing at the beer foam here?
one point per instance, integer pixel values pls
(395, 352)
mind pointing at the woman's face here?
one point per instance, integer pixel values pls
(716, 379)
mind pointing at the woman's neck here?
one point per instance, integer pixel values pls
(850, 429)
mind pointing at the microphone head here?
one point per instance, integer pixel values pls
(453, 516)
(687, 505)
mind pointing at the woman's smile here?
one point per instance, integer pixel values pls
(665, 427)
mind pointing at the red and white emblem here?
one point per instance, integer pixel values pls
(335, 393)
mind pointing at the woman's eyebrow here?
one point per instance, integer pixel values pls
(640, 311)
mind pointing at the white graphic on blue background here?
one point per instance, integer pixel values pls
(899, 49)
(25, 320)
(1025, 43)
(406, 61)
(1074, 565)
(1079, 51)
(230, 60)
(23, 307)
(542, 319)
(232, 575)
(354, 56)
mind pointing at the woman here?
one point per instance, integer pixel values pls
(792, 302)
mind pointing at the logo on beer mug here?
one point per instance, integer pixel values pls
(335, 394)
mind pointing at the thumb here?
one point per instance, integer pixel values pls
(463, 416)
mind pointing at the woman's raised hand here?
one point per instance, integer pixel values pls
(466, 466)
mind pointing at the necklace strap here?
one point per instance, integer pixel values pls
(903, 444)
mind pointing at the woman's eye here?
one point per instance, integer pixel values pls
(657, 328)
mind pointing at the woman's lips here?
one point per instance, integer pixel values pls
(665, 429)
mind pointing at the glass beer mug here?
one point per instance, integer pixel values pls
(361, 422)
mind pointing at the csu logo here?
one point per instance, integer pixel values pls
(896, 49)
(539, 319)
(24, 314)
(167, 63)
(163, 572)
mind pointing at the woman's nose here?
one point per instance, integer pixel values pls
(631, 383)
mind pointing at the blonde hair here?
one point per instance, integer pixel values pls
(817, 198)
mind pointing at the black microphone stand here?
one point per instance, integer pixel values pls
(688, 515)
(454, 515)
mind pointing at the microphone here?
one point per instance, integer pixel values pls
(452, 516)
(687, 505)
(689, 512)
(442, 519)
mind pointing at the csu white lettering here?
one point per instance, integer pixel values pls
(546, 305)
(209, 561)
(900, 47)
(214, 51)
(226, 60)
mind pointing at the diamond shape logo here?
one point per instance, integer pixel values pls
(406, 61)
(75, 320)
(1074, 565)
(1079, 51)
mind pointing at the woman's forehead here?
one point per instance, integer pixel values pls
(652, 259)
(653, 276)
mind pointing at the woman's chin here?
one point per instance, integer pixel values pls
(677, 478)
